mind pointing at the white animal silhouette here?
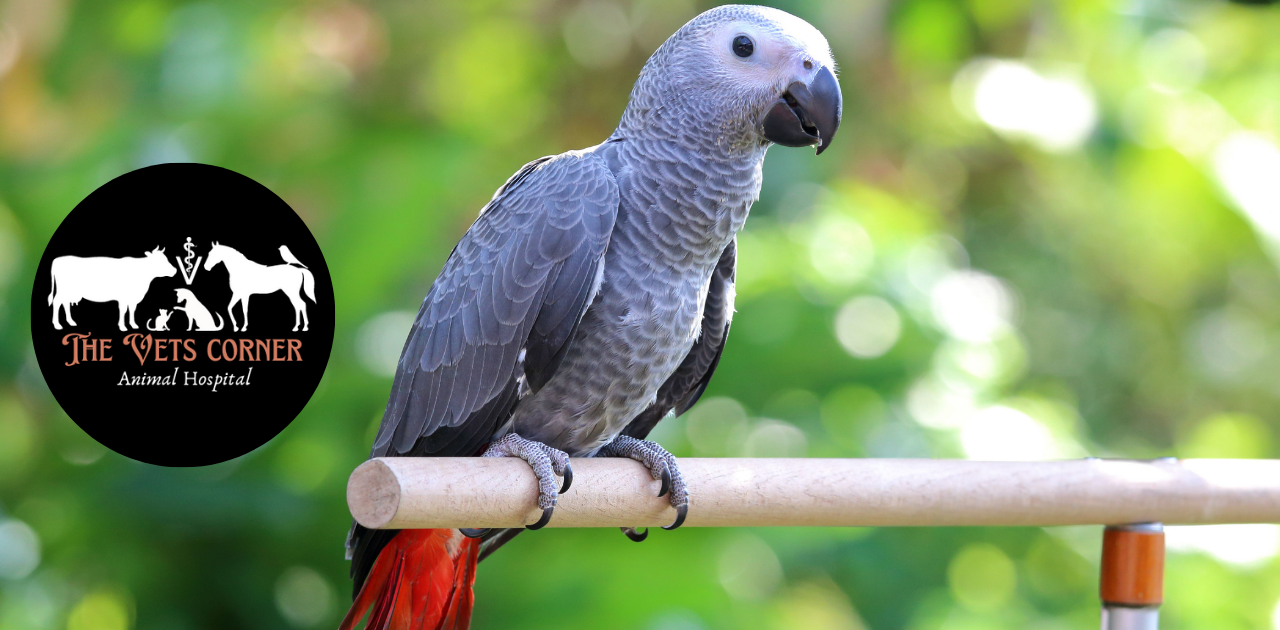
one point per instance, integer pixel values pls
(289, 257)
(249, 278)
(100, 279)
(196, 313)
(162, 320)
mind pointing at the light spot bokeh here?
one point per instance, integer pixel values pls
(1046, 230)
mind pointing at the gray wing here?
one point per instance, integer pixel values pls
(518, 282)
(685, 386)
(511, 293)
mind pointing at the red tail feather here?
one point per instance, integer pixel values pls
(421, 581)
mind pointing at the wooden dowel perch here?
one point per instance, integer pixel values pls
(406, 493)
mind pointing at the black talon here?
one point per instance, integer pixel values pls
(681, 512)
(568, 478)
(546, 518)
(666, 481)
(634, 535)
(474, 533)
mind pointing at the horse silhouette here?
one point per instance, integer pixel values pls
(250, 278)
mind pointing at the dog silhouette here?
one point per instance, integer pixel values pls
(197, 314)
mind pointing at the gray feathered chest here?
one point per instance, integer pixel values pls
(677, 213)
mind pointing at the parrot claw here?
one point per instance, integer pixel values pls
(568, 478)
(474, 533)
(546, 463)
(661, 465)
(635, 536)
(681, 512)
(546, 518)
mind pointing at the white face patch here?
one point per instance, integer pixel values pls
(802, 36)
(781, 44)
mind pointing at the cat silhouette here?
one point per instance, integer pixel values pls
(162, 320)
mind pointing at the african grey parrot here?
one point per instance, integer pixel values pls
(594, 293)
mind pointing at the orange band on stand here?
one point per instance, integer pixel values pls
(1133, 565)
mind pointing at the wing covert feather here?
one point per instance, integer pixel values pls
(520, 278)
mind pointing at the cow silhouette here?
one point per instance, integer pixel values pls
(249, 278)
(100, 279)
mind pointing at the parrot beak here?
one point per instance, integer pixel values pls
(805, 115)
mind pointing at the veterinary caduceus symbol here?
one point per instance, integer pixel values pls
(188, 268)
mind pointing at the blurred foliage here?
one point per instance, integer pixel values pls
(1047, 230)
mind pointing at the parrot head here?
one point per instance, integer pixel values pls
(748, 73)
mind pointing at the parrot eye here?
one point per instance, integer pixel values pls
(742, 46)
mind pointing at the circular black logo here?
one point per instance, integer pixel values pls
(182, 314)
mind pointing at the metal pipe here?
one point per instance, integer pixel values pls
(1132, 580)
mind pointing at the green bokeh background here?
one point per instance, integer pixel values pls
(971, 270)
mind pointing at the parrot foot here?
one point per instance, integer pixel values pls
(661, 464)
(634, 535)
(546, 462)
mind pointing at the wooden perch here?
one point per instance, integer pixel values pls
(407, 493)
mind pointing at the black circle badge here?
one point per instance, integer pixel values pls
(182, 314)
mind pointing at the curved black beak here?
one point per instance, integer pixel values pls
(805, 115)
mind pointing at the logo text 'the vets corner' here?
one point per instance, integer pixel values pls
(85, 348)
